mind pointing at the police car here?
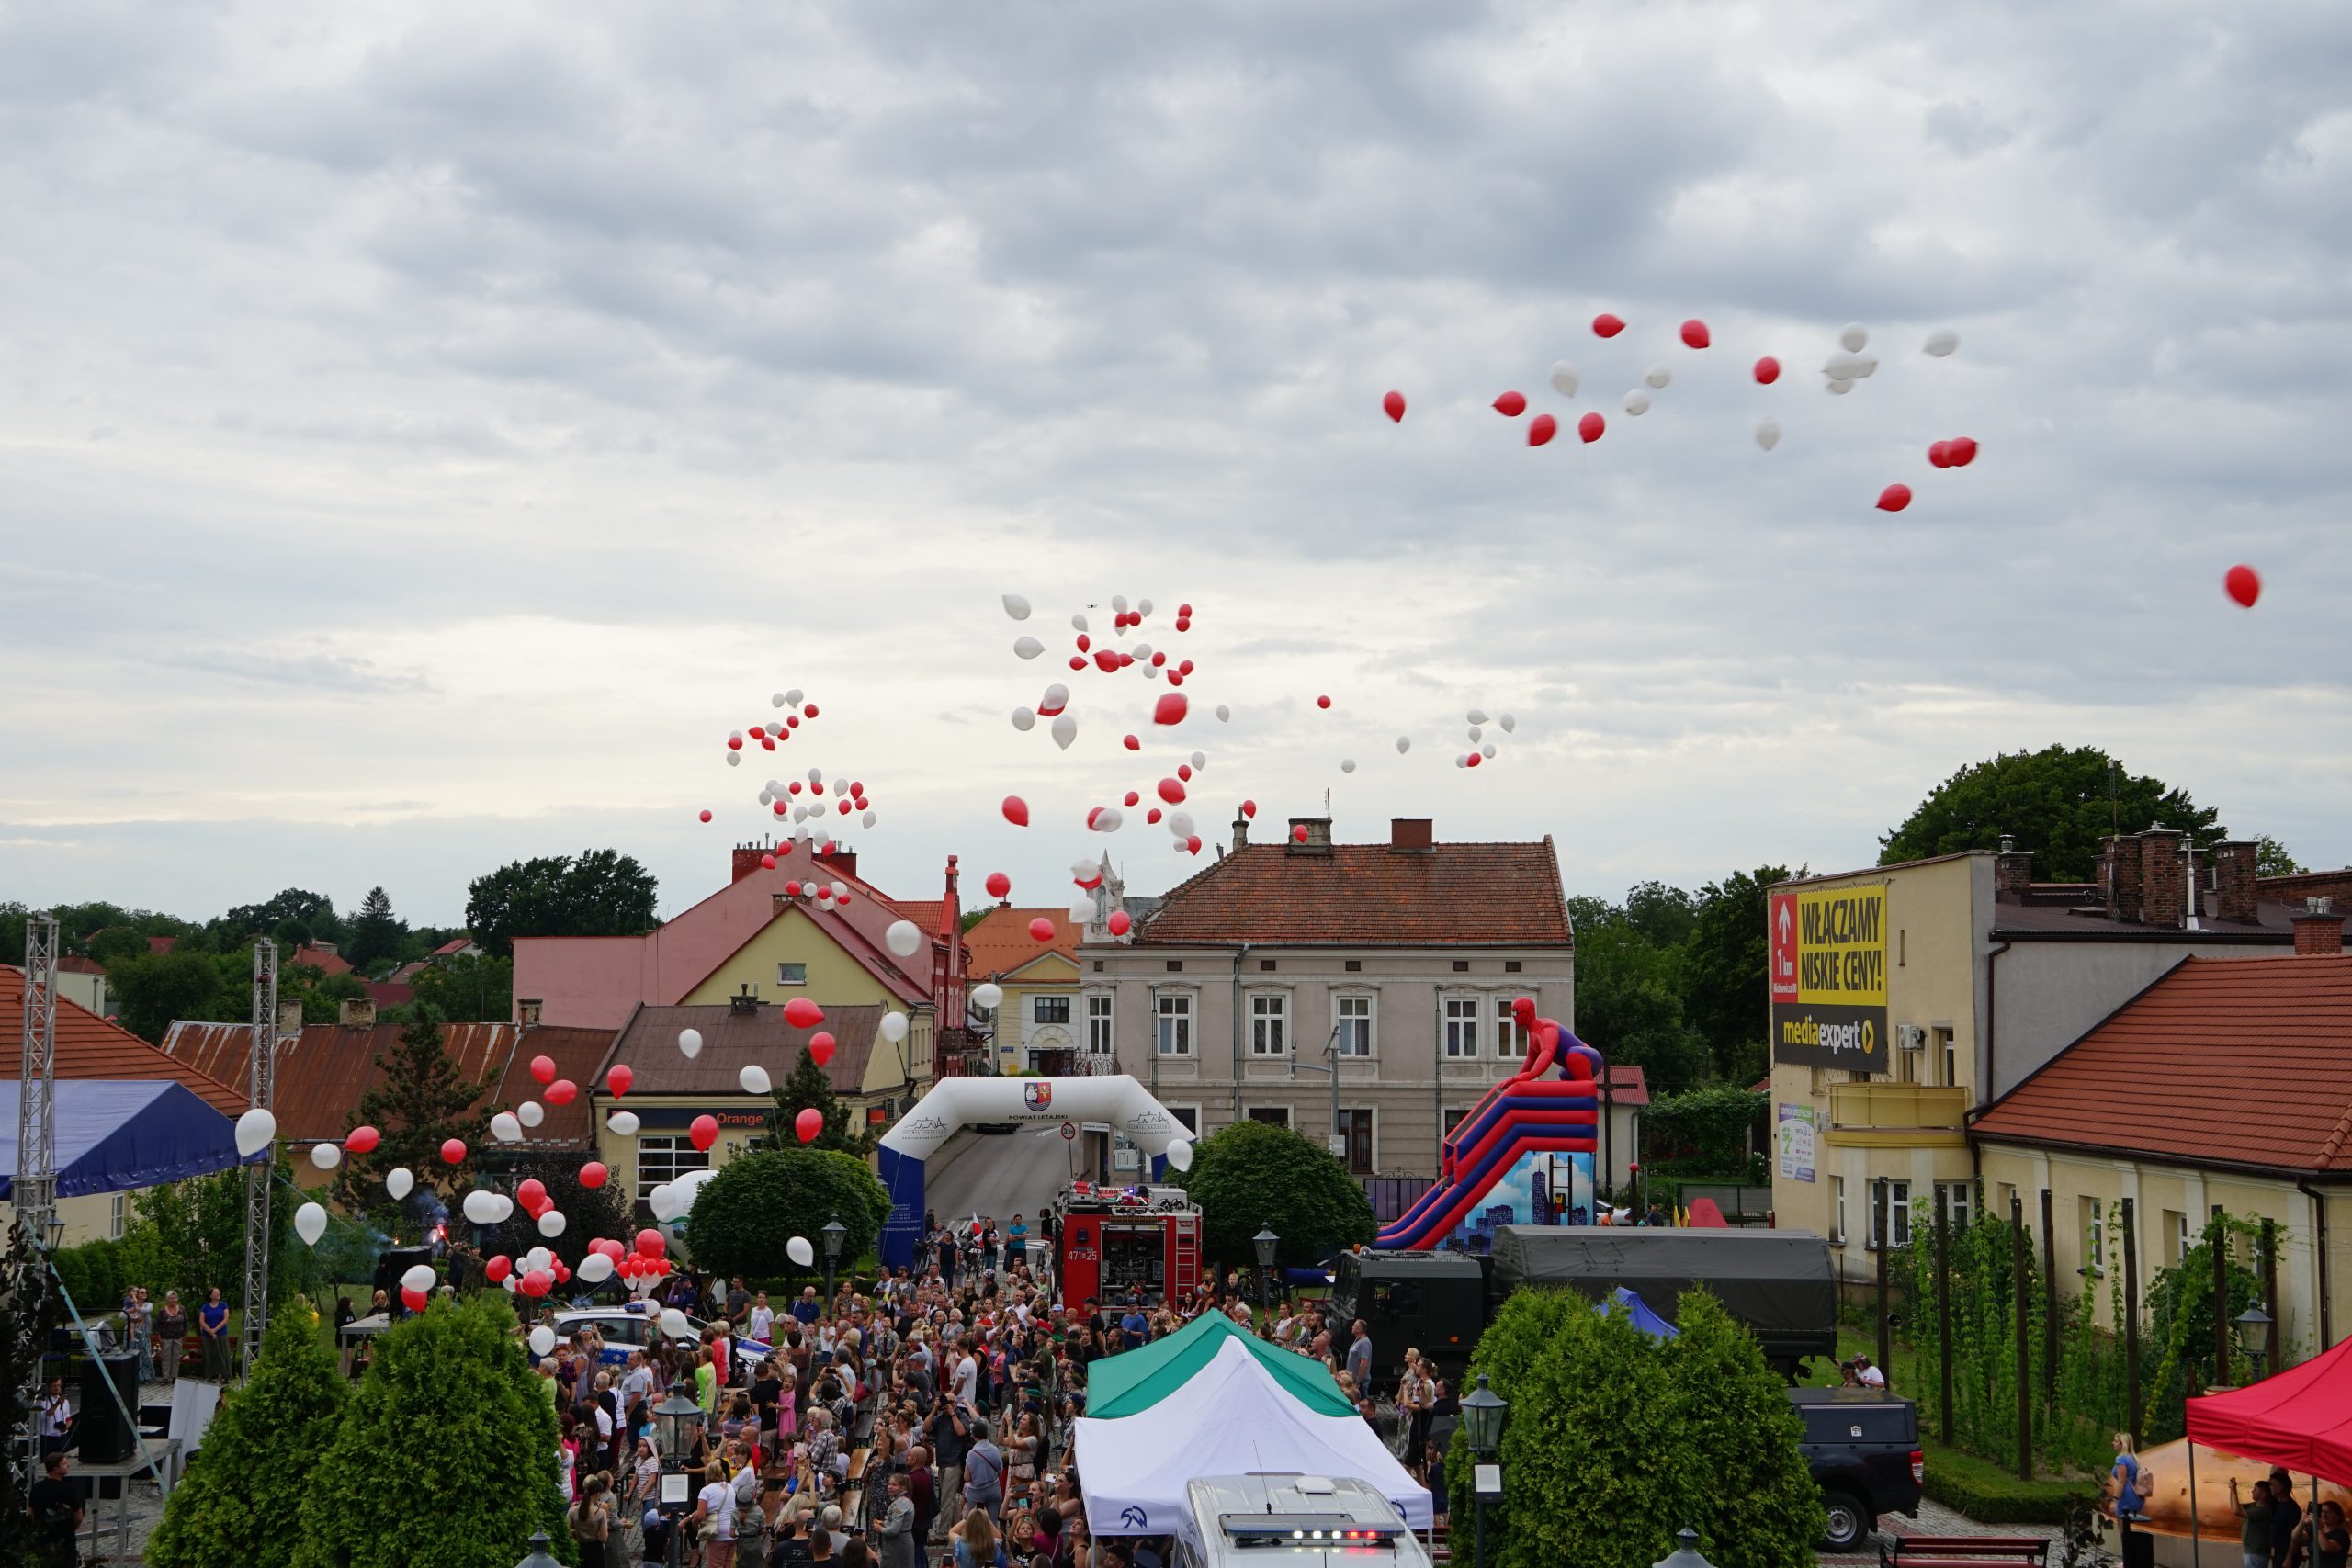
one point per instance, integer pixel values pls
(1268, 1520)
(626, 1328)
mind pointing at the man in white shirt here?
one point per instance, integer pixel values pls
(968, 1377)
(1866, 1375)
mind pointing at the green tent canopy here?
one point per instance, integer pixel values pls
(1135, 1381)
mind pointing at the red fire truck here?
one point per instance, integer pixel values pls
(1109, 1238)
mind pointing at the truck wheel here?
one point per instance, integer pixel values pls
(1849, 1522)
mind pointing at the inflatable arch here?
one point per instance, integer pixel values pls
(1114, 1099)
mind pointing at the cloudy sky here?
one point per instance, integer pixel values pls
(426, 431)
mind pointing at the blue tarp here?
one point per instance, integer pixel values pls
(119, 1134)
(1639, 1311)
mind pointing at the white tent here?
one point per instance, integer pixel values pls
(1231, 1418)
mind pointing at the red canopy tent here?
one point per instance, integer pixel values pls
(2301, 1419)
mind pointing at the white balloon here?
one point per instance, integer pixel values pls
(987, 993)
(1078, 623)
(1065, 730)
(1347, 764)
(595, 1269)
(1024, 720)
(894, 1027)
(1404, 744)
(868, 819)
(506, 1210)
(551, 1222)
(1142, 650)
(904, 938)
(754, 1078)
(1110, 820)
(1016, 606)
(1855, 338)
(326, 1157)
(1462, 762)
(1508, 723)
(734, 759)
(816, 775)
(1223, 715)
(663, 1201)
(1081, 913)
(1943, 340)
(399, 1183)
(255, 1128)
(674, 1323)
(419, 1277)
(840, 890)
(1660, 376)
(1767, 433)
(1143, 606)
(792, 697)
(1839, 389)
(309, 1224)
(623, 1123)
(799, 1251)
(530, 1113)
(1057, 698)
(1179, 1152)
(543, 1338)
(506, 1127)
(1850, 368)
(776, 701)
(509, 1283)
(1119, 602)
(538, 1258)
(1028, 648)
(1181, 824)
(690, 1042)
(481, 1207)
(1563, 381)
(1476, 716)
(1637, 402)
(1200, 761)
(1488, 752)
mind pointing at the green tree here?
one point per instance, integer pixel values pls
(238, 1506)
(1726, 989)
(1706, 1131)
(153, 988)
(1759, 1507)
(190, 1236)
(444, 1456)
(376, 932)
(2061, 804)
(601, 892)
(1254, 1173)
(1629, 1003)
(2272, 858)
(29, 1310)
(807, 1088)
(745, 1215)
(468, 989)
(314, 911)
(588, 1212)
(422, 1102)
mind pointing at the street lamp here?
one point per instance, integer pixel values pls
(1685, 1553)
(675, 1421)
(834, 1234)
(2253, 1336)
(1265, 1242)
(539, 1557)
(1482, 1425)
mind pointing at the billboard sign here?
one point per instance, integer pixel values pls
(1796, 1130)
(1827, 948)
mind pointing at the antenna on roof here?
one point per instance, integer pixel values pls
(1266, 1487)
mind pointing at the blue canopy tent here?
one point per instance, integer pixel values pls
(119, 1134)
(1639, 1311)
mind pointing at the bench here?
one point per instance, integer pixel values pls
(1965, 1551)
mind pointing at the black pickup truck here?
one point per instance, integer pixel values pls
(1863, 1446)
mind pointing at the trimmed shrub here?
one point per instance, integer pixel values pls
(746, 1215)
(1759, 1507)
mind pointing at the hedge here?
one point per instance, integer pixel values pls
(1991, 1495)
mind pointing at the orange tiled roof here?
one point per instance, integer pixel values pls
(90, 1047)
(1000, 942)
(1370, 894)
(2238, 1062)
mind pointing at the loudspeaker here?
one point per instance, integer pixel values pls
(101, 1434)
(390, 1264)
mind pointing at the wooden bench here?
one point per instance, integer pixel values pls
(1965, 1551)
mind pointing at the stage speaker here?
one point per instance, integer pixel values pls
(101, 1434)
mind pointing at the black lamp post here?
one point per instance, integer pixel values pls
(1482, 1425)
(539, 1557)
(1265, 1242)
(2253, 1336)
(1685, 1553)
(835, 1233)
(675, 1420)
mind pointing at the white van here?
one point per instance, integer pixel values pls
(1264, 1518)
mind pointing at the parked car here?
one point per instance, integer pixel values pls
(631, 1327)
(1863, 1447)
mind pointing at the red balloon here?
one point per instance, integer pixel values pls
(999, 885)
(562, 1274)
(1193, 845)
(412, 1300)
(1185, 771)
(820, 1048)
(1159, 658)
(1132, 744)
(497, 1268)
(1894, 498)
(1607, 325)
(1510, 405)
(1084, 642)
(1250, 809)
(562, 1092)
(1961, 449)
(1768, 371)
(808, 1124)
(1119, 922)
(1171, 707)
(650, 1244)
(592, 1175)
(2244, 584)
(1541, 429)
(1939, 455)
(1322, 701)
(1078, 661)
(1694, 332)
(1394, 405)
(619, 1078)
(1591, 427)
(808, 708)
(792, 887)
(543, 1069)
(1475, 759)
(1152, 817)
(802, 1013)
(706, 815)
(1171, 791)
(531, 1194)
(1042, 928)
(360, 1140)
(453, 1152)
(536, 1283)
(703, 1132)
(1134, 796)
(1016, 811)
(734, 743)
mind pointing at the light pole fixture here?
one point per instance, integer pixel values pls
(1265, 1242)
(2253, 1336)
(1685, 1553)
(539, 1557)
(675, 1421)
(835, 1233)
(1482, 1427)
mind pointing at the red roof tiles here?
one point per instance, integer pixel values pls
(2233, 1062)
(1370, 894)
(1000, 942)
(90, 1047)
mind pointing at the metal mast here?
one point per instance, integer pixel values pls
(261, 1085)
(35, 1194)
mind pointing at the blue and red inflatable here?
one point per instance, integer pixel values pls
(1526, 1113)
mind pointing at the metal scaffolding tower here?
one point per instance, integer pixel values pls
(35, 1194)
(262, 1086)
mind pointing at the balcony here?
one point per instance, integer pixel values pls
(1896, 1115)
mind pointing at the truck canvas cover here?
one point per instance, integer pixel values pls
(1780, 1283)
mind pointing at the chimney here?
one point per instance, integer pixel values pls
(2123, 878)
(2233, 887)
(2318, 932)
(1241, 832)
(2162, 879)
(744, 1002)
(747, 860)
(1319, 836)
(289, 1018)
(839, 862)
(2012, 873)
(528, 1009)
(947, 959)
(1411, 833)
(360, 1014)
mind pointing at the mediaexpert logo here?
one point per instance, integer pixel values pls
(1860, 1038)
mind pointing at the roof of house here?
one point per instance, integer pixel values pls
(319, 955)
(452, 947)
(2243, 1062)
(733, 1039)
(160, 943)
(998, 942)
(325, 1070)
(2060, 916)
(924, 912)
(74, 964)
(90, 1047)
(1506, 894)
(389, 993)
(1627, 1084)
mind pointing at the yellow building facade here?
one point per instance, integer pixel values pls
(794, 955)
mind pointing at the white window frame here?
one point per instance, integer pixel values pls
(1509, 1044)
(784, 977)
(2181, 1237)
(2094, 1238)
(676, 1155)
(1459, 1011)
(1037, 1002)
(117, 1214)
(1269, 1025)
(1898, 1211)
(1356, 1035)
(1946, 1045)
(1103, 1011)
(1173, 1008)
(1960, 1201)
(1841, 1237)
